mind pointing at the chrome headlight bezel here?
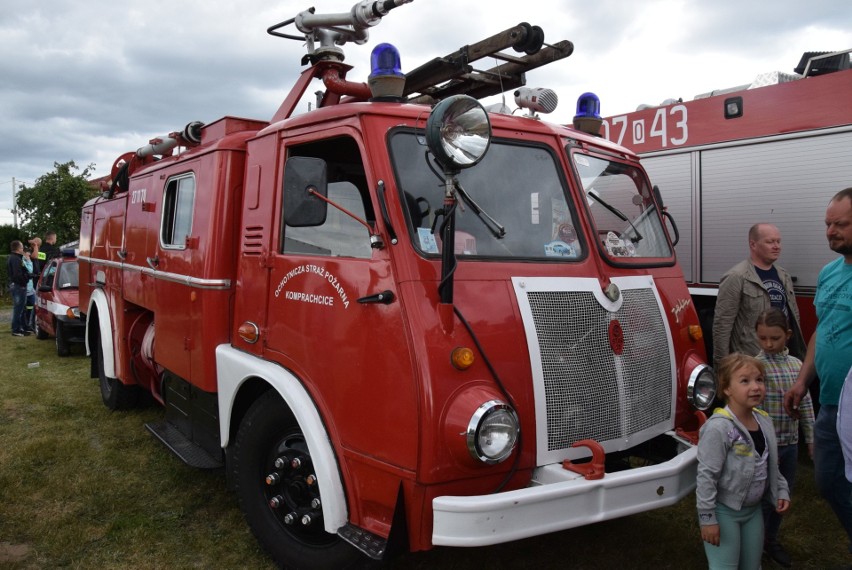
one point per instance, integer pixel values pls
(702, 387)
(458, 132)
(492, 418)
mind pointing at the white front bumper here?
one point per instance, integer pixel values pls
(559, 499)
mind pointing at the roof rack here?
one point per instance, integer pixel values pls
(453, 74)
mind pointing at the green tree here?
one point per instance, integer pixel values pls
(8, 232)
(54, 202)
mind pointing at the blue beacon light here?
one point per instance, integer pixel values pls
(386, 80)
(588, 117)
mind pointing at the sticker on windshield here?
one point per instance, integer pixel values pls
(581, 160)
(427, 240)
(558, 248)
(618, 247)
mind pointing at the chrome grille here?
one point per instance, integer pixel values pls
(591, 392)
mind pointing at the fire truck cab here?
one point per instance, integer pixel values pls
(399, 319)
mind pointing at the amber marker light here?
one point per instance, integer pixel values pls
(695, 333)
(249, 332)
(462, 358)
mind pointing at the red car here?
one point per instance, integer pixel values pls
(57, 311)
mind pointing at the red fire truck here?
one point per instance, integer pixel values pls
(398, 320)
(775, 150)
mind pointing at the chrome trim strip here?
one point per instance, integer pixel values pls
(194, 282)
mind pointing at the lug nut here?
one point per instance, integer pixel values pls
(301, 463)
(311, 518)
(276, 501)
(311, 480)
(316, 503)
(290, 518)
(273, 478)
(282, 462)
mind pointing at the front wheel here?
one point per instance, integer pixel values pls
(41, 334)
(62, 348)
(278, 492)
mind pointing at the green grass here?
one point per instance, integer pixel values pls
(83, 487)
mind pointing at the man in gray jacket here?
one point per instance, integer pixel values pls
(749, 288)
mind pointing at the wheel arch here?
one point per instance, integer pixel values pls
(98, 312)
(242, 378)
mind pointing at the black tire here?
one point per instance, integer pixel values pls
(41, 334)
(268, 432)
(62, 348)
(114, 393)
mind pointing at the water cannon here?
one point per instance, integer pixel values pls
(536, 99)
(163, 146)
(323, 33)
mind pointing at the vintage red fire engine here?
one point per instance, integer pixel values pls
(399, 320)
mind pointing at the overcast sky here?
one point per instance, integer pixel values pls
(88, 81)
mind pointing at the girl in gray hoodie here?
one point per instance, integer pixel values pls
(738, 468)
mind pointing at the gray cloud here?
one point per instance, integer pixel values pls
(86, 81)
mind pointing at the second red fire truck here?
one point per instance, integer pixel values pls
(398, 319)
(775, 150)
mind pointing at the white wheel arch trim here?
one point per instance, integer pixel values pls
(100, 301)
(233, 368)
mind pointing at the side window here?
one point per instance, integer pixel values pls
(341, 235)
(49, 275)
(178, 200)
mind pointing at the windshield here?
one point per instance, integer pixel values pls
(622, 209)
(517, 190)
(68, 276)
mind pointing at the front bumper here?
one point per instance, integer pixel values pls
(74, 329)
(558, 499)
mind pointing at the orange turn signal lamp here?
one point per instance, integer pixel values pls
(695, 333)
(462, 358)
(249, 332)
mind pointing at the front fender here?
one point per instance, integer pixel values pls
(233, 368)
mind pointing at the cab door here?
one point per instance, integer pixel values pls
(334, 315)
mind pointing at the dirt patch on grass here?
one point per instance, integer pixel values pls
(13, 552)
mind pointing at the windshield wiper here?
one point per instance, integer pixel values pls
(616, 212)
(496, 229)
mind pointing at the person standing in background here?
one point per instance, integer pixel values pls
(781, 371)
(829, 357)
(49, 247)
(17, 286)
(748, 289)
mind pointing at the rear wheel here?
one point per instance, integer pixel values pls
(280, 502)
(114, 393)
(62, 348)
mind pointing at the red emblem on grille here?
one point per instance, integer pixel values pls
(616, 337)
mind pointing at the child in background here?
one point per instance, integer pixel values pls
(773, 332)
(738, 468)
(29, 309)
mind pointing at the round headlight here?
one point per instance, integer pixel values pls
(701, 390)
(492, 432)
(458, 132)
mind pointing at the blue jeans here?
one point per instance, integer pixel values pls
(19, 303)
(829, 468)
(788, 459)
(740, 539)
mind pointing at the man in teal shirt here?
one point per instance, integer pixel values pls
(829, 356)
